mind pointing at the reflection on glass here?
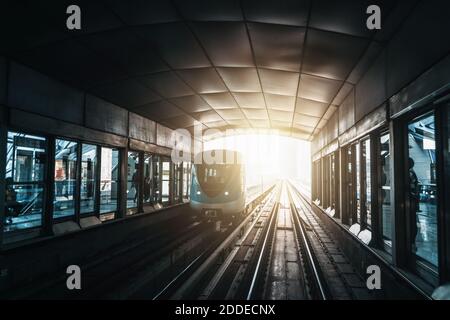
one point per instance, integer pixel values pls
(133, 180)
(148, 178)
(178, 172)
(186, 179)
(88, 178)
(422, 188)
(385, 192)
(165, 180)
(358, 187)
(24, 181)
(65, 178)
(109, 180)
(367, 180)
(349, 191)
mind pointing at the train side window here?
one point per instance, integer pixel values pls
(165, 181)
(186, 180)
(358, 183)
(422, 189)
(385, 191)
(366, 183)
(133, 181)
(109, 182)
(88, 190)
(66, 165)
(148, 178)
(26, 160)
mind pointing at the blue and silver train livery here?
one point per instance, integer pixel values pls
(218, 184)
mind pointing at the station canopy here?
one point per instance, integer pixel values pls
(281, 64)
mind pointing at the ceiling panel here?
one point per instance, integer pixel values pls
(216, 124)
(303, 129)
(207, 116)
(276, 115)
(334, 16)
(182, 121)
(331, 110)
(256, 114)
(158, 110)
(311, 107)
(232, 35)
(80, 66)
(231, 114)
(289, 12)
(176, 45)
(342, 94)
(207, 10)
(280, 124)
(277, 47)
(260, 123)
(167, 84)
(304, 120)
(250, 100)
(238, 123)
(317, 88)
(240, 79)
(223, 100)
(280, 102)
(332, 55)
(204, 80)
(279, 82)
(138, 12)
(127, 93)
(190, 104)
(125, 48)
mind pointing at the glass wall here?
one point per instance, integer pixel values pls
(349, 205)
(186, 179)
(177, 182)
(385, 190)
(66, 164)
(422, 188)
(165, 181)
(109, 180)
(148, 178)
(26, 159)
(367, 185)
(133, 180)
(358, 183)
(332, 182)
(88, 178)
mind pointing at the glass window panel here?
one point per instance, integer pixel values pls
(165, 180)
(148, 178)
(66, 159)
(358, 186)
(133, 180)
(385, 192)
(88, 178)
(186, 179)
(109, 180)
(24, 181)
(367, 181)
(422, 188)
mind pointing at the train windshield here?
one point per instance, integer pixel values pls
(213, 178)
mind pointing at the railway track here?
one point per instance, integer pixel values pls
(269, 256)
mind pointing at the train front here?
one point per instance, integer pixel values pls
(218, 185)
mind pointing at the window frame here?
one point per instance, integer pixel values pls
(424, 269)
(42, 229)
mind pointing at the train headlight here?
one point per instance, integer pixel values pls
(226, 193)
(199, 193)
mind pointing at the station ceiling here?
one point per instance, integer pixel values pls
(282, 64)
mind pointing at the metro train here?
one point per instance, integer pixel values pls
(218, 187)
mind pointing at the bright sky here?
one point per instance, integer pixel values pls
(269, 156)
